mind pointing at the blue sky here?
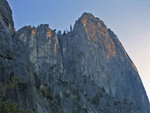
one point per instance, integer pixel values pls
(129, 19)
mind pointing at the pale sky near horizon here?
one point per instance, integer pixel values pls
(129, 19)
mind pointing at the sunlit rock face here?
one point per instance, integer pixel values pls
(83, 71)
(94, 51)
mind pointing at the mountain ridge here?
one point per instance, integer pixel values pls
(86, 70)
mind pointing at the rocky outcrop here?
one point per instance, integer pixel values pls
(6, 41)
(83, 71)
(6, 22)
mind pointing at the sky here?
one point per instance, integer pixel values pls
(129, 19)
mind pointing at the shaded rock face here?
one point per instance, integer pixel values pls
(6, 22)
(83, 71)
(6, 41)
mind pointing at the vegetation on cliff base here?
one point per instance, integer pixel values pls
(8, 105)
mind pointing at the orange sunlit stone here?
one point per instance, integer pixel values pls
(34, 31)
(49, 33)
(111, 50)
(50, 40)
(55, 48)
(84, 23)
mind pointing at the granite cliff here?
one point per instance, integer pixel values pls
(85, 70)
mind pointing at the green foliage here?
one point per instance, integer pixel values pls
(117, 102)
(96, 98)
(47, 94)
(21, 110)
(10, 85)
(9, 106)
(72, 111)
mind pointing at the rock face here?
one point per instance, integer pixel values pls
(83, 71)
(6, 22)
(6, 40)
